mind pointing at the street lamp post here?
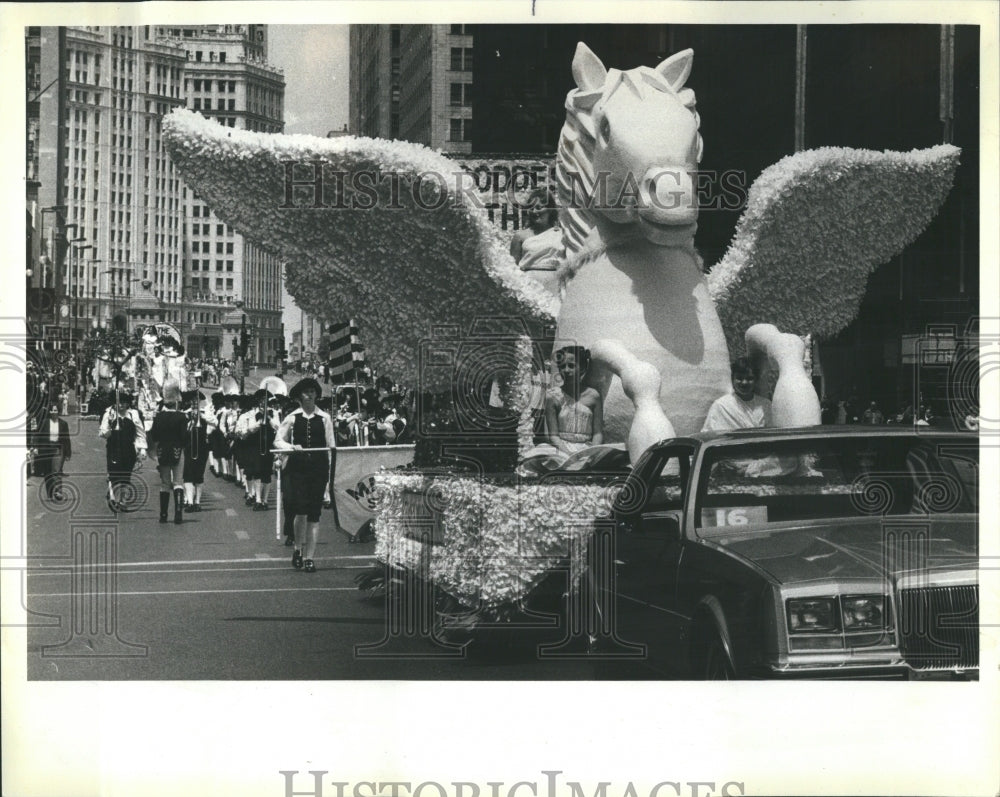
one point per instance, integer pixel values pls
(72, 284)
(242, 346)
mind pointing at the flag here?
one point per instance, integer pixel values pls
(346, 350)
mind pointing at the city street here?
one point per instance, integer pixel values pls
(215, 597)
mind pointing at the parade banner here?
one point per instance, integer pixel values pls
(354, 481)
(503, 183)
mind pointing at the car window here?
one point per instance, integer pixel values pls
(807, 479)
(668, 485)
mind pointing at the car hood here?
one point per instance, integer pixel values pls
(859, 548)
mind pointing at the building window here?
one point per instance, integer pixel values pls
(468, 59)
(458, 30)
(456, 59)
(467, 130)
(222, 58)
(197, 55)
(456, 93)
(455, 131)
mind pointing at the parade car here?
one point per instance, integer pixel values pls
(821, 553)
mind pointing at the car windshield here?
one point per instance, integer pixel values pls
(835, 477)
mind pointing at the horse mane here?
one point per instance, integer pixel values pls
(577, 140)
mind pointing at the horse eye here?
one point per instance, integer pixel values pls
(605, 130)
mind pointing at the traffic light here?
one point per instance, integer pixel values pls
(244, 341)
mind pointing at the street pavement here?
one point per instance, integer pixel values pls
(122, 597)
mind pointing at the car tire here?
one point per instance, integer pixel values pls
(716, 665)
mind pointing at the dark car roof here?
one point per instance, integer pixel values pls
(776, 433)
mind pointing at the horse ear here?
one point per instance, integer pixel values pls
(588, 71)
(676, 68)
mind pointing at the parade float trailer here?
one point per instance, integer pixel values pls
(353, 215)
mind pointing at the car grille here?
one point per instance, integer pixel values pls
(939, 626)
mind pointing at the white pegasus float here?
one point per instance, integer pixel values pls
(388, 228)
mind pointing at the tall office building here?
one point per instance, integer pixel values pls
(227, 78)
(413, 82)
(115, 236)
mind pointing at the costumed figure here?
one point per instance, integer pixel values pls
(243, 448)
(306, 472)
(168, 436)
(123, 428)
(197, 448)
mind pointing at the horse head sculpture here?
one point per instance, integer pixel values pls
(628, 150)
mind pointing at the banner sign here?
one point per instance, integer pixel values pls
(503, 185)
(354, 481)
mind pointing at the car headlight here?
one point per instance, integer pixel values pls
(811, 615)
(863, 612)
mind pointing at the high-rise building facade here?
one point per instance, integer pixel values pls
(227, 78)
(108, 217)
(413, 82)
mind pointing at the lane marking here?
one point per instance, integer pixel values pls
(242, 535)
(204, 591)
(220, 496)
(263, 556)
(177, 562)
(284, 566)
(230, 512)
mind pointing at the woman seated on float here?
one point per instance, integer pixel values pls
(538, 248)
(574, 412)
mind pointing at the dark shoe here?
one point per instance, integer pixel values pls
(297, 560)
(195, 507)
(309, 566)
(178, 506)
(258, 507)
(249, 500)
(164, 506)
(289, 542)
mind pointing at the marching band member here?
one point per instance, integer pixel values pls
(123, 427)
(307, 473)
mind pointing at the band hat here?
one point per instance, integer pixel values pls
(305, 384)
(171, 391)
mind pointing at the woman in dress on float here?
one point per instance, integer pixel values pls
(574, 413)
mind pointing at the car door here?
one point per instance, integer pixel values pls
(647, 550)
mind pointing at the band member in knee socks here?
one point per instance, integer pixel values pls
(167, 433)
(122, 426)
(196, 449)
(306, 473)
